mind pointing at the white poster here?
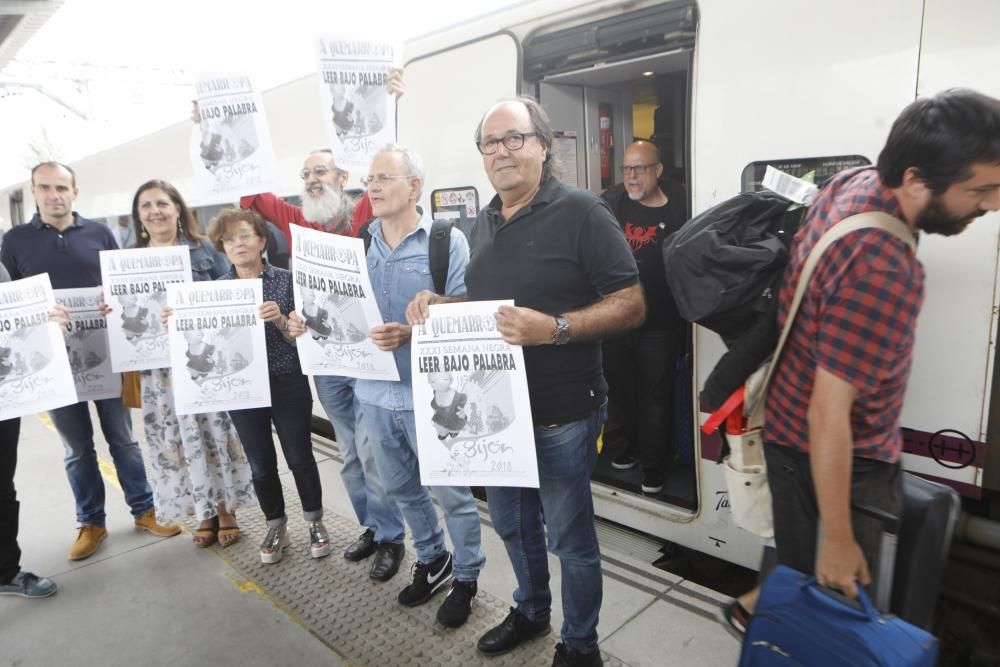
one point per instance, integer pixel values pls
(231, 151)
(218, 356)
(34, 368)
(135, 287)
(333, 294)
(358, 109)
(470, 400)
(87, 345)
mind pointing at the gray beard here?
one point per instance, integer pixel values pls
(332, 209)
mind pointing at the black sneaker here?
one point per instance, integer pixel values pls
(512, 631)
(623, 462)
(428, 579)
(734, 618)
(567, 656)
(652, 481)
(455, 610)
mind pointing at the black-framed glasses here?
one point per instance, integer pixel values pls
(512, 142)
(319, 171)
(381, 179)
(638, 168)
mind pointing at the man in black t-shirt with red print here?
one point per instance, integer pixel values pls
(639, 366)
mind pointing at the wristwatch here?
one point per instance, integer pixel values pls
(561, 334)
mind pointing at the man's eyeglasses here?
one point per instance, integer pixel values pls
(318, 171)
(512, 142)
(382, 179)
(233, 238)
(638, 169)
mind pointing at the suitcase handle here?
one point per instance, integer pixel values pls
(863, 609)
(890, 522)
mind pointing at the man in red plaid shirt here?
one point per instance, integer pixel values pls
(832, 424)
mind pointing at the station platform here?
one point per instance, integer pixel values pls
(141, 600)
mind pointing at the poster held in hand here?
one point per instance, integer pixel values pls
(231, 152)
(87, 345)
(218, 355)
(470, 400)
(34, 369)
(358, 109)
(135, 287)
(333, 295)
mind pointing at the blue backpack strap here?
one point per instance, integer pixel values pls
(437, 253)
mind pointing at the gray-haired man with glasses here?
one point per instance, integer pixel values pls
(559, 254)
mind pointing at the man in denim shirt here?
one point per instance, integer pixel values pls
(399, 267)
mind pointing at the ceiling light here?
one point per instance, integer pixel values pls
(648, 73)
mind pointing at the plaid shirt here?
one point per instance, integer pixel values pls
(857, 320)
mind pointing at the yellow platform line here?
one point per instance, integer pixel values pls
(242, 584)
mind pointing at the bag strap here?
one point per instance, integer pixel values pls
(872, 219)
(437, 254)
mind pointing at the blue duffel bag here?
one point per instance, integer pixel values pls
(796, 622)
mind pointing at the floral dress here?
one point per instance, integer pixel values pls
(197, 461)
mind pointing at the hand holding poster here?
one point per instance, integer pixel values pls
(87, 345)
(231, 151)
(358, 109)
(470, 400)
(135, 287)
(218, 357)
(34, 368)
(333, 294)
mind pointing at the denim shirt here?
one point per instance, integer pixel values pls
(397, 275)
(207, 263)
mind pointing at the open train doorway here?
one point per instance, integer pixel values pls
(597, 112)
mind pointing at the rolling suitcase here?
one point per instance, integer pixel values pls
(796, 622)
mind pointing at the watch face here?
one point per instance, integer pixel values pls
(561, 334)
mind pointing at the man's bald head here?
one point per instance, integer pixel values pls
(642, 170)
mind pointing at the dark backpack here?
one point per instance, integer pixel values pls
(723, 266)
(437, 252)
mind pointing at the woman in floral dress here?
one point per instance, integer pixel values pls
(198, 463)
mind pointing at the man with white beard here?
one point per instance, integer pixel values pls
(326, 207)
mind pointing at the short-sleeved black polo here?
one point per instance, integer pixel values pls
(559, 253)
(70, 257)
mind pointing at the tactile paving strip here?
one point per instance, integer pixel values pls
(360, 619)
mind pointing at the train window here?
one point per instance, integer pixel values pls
(822, 168)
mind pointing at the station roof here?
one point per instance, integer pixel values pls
(19, 21)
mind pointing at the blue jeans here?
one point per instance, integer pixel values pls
(372, 505)
(393, 435)
(77, 433)
(566, 456)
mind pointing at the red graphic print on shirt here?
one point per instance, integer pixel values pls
(638, 236)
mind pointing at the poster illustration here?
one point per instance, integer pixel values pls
(231, 152)
(135, 287)
(358, 109)
(87, 345)
(333, 294)
(34, 368)
(218, 357)
(470, 400)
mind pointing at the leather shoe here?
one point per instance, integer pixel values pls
(362, 548)
(514, 630)
(388, 556)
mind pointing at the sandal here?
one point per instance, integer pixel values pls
(205, 537)
(229, 535)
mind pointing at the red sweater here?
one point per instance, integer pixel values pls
(283, 214)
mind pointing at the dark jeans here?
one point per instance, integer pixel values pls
(639, 368)
(10, 553)
(796, 514)
(291, 412)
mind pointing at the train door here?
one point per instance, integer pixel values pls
(597, 110)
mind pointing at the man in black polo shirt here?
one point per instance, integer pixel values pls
(640, 364)
(65, 245)
(560, 254)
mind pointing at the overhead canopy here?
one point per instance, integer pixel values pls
(19, 21)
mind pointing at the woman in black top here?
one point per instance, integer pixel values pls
(242, 235)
